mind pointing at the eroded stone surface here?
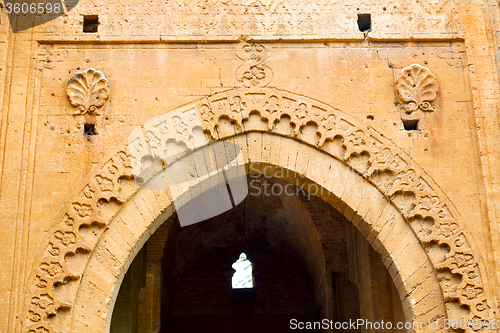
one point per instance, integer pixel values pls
(249, 87)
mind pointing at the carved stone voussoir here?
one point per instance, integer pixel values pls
(88, 91)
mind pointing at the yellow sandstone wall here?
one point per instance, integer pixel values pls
(160, 55)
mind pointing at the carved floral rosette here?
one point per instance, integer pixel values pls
(427, 210)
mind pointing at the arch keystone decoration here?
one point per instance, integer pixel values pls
(399, 208)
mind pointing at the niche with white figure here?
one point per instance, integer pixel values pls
(243, 277)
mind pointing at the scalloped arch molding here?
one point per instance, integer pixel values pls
(400, 210)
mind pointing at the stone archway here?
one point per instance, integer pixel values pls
(398, 208)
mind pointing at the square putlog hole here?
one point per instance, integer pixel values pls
(410, 125)
(364, 22)
(90, 23)
(89, 130)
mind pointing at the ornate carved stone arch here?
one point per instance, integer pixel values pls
(400, 210)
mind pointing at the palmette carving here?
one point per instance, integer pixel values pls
(88, 91)
(416, 92)
(420, 201)
(416, 89)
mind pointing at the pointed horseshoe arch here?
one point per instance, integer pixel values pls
(399, 209)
